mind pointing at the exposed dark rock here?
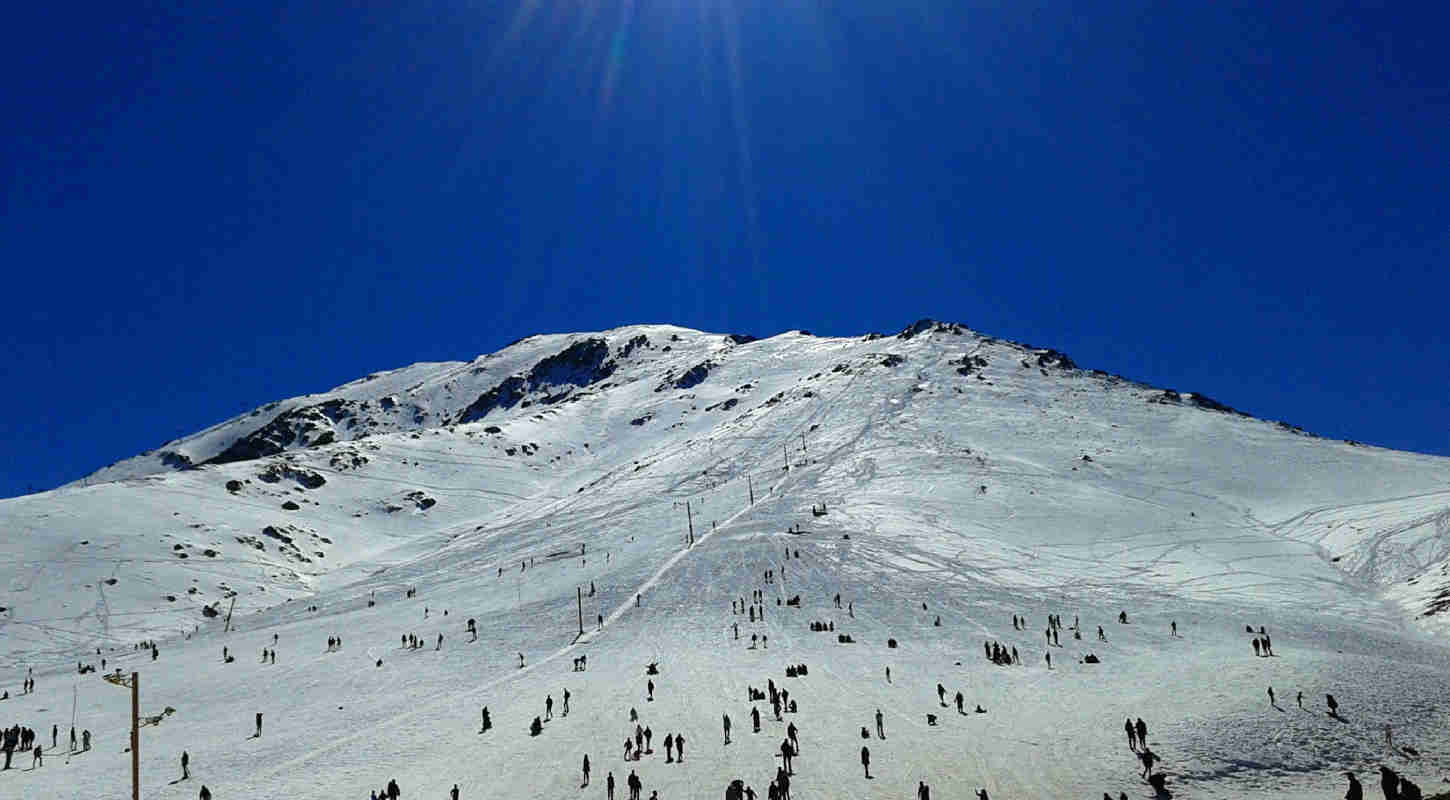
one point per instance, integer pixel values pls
(347, 459)
(693, 377)
(1053, 358)
(176, 460)
(740, 338)
(633, 344)
(493, 429)
(926, 325)
(893, 360)
(1204, 401)
(641, 420)
(305, 477)
(304, 426)
(234, 486)
(724, 405)
(581, 364)
(291, 506)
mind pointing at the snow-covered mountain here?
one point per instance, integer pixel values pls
(962, 477)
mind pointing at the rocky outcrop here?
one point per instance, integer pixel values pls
(580, 364)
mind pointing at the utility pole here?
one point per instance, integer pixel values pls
(135, 684)
(229, 614)
(691, 520)
(135, 736)
(579, 595)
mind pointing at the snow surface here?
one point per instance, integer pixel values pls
(968, 492)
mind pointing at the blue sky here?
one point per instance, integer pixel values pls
(212, 206)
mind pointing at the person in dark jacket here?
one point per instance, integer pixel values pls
(866, 760)
(1389, 783)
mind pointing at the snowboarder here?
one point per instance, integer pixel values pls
(866, 760)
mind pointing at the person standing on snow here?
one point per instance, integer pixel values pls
(586, 770)
(725, 720)
(1132, 736)
(866, 760)
(880, 732)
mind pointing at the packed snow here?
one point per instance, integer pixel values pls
(938, 474)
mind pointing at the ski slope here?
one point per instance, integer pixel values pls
(979, 477)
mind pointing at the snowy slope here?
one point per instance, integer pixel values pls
(980, 477)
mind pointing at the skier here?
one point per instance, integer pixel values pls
(880, 732)
(866, 760)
